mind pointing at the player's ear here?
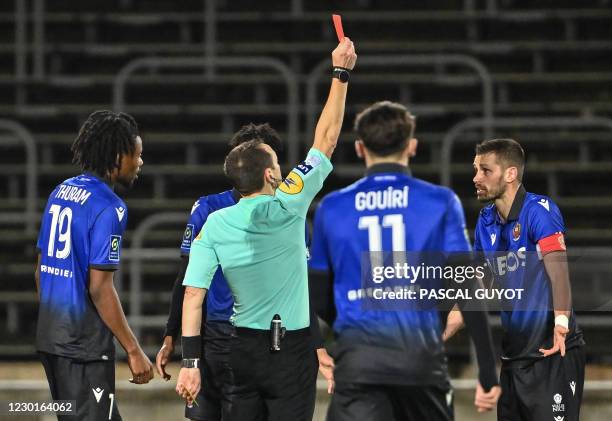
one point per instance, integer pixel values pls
(511, 174)
(359, 149)
(412, 147)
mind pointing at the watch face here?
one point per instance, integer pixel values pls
(343, 75)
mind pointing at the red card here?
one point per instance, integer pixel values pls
(338, 25)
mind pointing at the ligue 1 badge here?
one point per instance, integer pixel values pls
(516, 232)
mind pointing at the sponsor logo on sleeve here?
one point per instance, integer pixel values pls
(544, 203)
(195, 206)
(493, 237)
(573, 387)
(120, 212)
(188, 236)
(293, 184)
(308, 164)
(115, 248)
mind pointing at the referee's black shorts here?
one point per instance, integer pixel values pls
(91, 384)
(544, 389)
(376, 402)
(273, 386)
(214, 373)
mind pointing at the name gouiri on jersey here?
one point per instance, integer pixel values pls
(390, 198)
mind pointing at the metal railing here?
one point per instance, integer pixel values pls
(29, 215)
(137, 254)
(290, 79)
(453, 135)
(407, 60)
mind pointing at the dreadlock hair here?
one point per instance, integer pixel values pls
(262, 132)
(103, 139)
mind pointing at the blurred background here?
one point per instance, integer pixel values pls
(193, 71)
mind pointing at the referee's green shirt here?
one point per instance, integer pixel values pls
(259, 243)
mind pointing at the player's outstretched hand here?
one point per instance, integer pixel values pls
(486, 401)
(140, 366)
(163, 356)
(188, 384)
(326, 368)
(344, 55)
(559, 335)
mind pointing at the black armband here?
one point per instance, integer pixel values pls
(192, 346)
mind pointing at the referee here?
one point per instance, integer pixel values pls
(259, 243)
(218, 307)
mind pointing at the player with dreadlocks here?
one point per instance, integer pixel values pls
(79, 248)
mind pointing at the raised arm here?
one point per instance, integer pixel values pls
(330, 122)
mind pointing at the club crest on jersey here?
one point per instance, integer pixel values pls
(115, 248)
(516, 232)
(293, 184)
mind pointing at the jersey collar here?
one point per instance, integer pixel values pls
(99, 179)
(517, 204)
(386, 168)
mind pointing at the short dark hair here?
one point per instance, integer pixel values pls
(507, 151)
(103, 139)
(385, 127)
(263, 132)
(245, 166)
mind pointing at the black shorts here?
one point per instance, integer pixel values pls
(370, 402)
(273, 386)
(546, 389)
(214, 373)
(91, 384)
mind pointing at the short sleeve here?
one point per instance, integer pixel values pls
(203, 260)
(545, 220)
(297, 191)
(319, 257)
(197, 219)
(455, 232)
(546, 227)
(105, 238)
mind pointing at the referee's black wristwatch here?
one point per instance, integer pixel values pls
(341, 73)
(190, 363)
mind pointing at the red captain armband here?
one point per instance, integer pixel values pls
(555, 242)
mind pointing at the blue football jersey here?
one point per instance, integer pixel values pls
(82, 227)
(513, 249)
(387, 210)
(220, 303)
